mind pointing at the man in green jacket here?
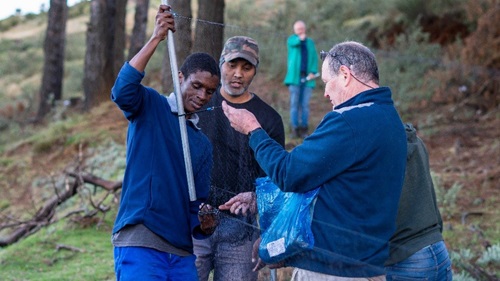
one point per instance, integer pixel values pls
(302, 68)
(417, 248)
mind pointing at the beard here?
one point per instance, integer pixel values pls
(231, 91)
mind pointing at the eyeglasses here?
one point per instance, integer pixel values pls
(324, 54)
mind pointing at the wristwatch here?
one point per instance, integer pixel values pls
(254, 130)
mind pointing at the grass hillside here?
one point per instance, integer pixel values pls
(462, 135)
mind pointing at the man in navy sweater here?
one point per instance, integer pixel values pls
(356, 156)
(156, 221)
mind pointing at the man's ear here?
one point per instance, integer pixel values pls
(345, 74)
(181, 77)
(344, 71)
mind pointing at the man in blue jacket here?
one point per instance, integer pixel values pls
(356, 156)
(156, 221)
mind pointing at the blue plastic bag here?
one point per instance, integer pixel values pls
(285, 221)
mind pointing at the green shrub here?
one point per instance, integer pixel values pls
(446, 199)
(404, 65)
(79, 9)
(108, 160)
(490, 256)
(9, 22)
(467, 264)
(463, 276)
(22, 56)
(55, 135)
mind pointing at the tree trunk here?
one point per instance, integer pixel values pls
(182, 41)
(53, 48)
(119, 40)
(138, 37)
(93, 81)
(105, 49)
(209, 34)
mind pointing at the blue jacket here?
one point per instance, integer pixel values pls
(357, 155)
(155, 190)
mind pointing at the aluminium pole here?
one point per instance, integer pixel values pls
(180, 112)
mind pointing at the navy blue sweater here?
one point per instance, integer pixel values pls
(357, 155)
(155, 190)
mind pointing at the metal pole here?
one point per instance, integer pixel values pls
(274, 276)
(181, 114)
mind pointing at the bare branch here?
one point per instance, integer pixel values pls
(69, 248)
(45, 214)
(89, 178)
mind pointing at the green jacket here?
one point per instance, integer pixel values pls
(293, 70)
(419, 221)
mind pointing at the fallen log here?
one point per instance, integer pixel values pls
(45, 214)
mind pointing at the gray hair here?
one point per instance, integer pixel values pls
(360, 60)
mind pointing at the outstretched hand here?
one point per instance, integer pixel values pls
(241, 204)
(241, 120)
